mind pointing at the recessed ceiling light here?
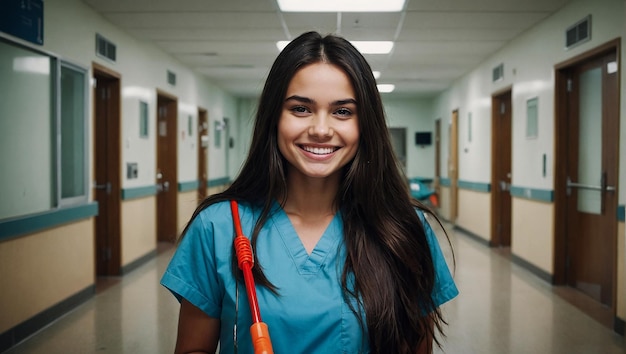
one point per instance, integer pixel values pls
(365, 47)
(341, 5)
(384, 88)
(376, 74)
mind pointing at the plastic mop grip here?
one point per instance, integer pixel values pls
(245, 260)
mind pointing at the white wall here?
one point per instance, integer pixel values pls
(414, 114)
(70, 31)
(529, 62)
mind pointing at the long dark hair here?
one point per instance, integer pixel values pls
(389, 268)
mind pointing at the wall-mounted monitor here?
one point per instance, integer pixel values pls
(423, 138)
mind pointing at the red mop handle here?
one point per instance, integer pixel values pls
(259, 332)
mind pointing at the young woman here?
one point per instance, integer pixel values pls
(345, 261)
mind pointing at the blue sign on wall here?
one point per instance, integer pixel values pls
(22, 19)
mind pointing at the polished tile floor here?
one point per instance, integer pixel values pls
(502, 308)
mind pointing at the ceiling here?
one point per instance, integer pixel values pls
(233, 42)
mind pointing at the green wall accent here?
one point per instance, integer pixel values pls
(542, 195)
(444, 181)
(475, 186)
(188, 186)
(218, 182)
(138, 192)
(29, 224)
(620, 213)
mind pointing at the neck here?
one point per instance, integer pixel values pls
(311, 196)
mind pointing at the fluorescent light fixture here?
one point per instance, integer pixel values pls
(365, 47)
(373, 47)
(341, 5)
(384, 88)
(376, 74)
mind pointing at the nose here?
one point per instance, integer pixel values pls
(320, 126)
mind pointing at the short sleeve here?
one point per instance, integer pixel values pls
(444, 289)
(192, 272)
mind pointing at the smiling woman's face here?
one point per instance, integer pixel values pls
(318, 131)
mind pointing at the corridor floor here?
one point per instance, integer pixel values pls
(502, 308)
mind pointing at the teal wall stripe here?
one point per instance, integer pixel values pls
(29, 224)
(138, 192)
(188, 186)
(542, 195)
(218, 182)
(426, 180)
(620, 213)
(475, 186)
(444, 182)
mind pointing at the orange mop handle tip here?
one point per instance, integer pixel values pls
(261, 338)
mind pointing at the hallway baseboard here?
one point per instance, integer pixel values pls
(29, 327)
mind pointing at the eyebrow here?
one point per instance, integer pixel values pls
(310, 101)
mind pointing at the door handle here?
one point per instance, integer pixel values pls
(504, 186)
(603, 187)
(106, 187)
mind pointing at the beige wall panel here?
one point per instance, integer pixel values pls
(444, 203)
(138, 228)
(475, 212)
(621, 271)
(532, 232)
(187, 203)
(42, 269)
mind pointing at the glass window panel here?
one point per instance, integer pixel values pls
(143, 119)
(26, 131)
(532, 120)
(590, 138)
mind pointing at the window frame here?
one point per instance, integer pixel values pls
(84, 198)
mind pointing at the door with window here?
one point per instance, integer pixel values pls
(107, 170)
(501, 169)
(589, 178)
(167, 170)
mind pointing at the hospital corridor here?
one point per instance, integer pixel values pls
(507, 118)
(501, 308)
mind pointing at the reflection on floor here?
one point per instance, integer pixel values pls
(502, 308)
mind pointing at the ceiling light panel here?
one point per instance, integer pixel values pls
(341, 5)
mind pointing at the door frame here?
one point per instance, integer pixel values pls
(400, 133)
(501, 236)
(203, 152)
(560, 175)
(107, 244)
(453, 165)
(437, 180)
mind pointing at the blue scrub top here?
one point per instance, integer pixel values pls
(309, 315)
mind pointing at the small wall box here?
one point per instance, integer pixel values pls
(423, 138)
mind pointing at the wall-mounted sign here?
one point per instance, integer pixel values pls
(23, 19)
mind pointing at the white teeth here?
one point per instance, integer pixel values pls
(318, 150)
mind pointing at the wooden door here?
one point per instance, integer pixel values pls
(107, 185)
(586, 186)
(501, 170)
(453, 164)
(203, 153)
(591, 182)
(167, 170)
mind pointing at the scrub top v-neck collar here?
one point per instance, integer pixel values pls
(326, 246)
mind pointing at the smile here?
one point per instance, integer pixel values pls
(319, 150)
